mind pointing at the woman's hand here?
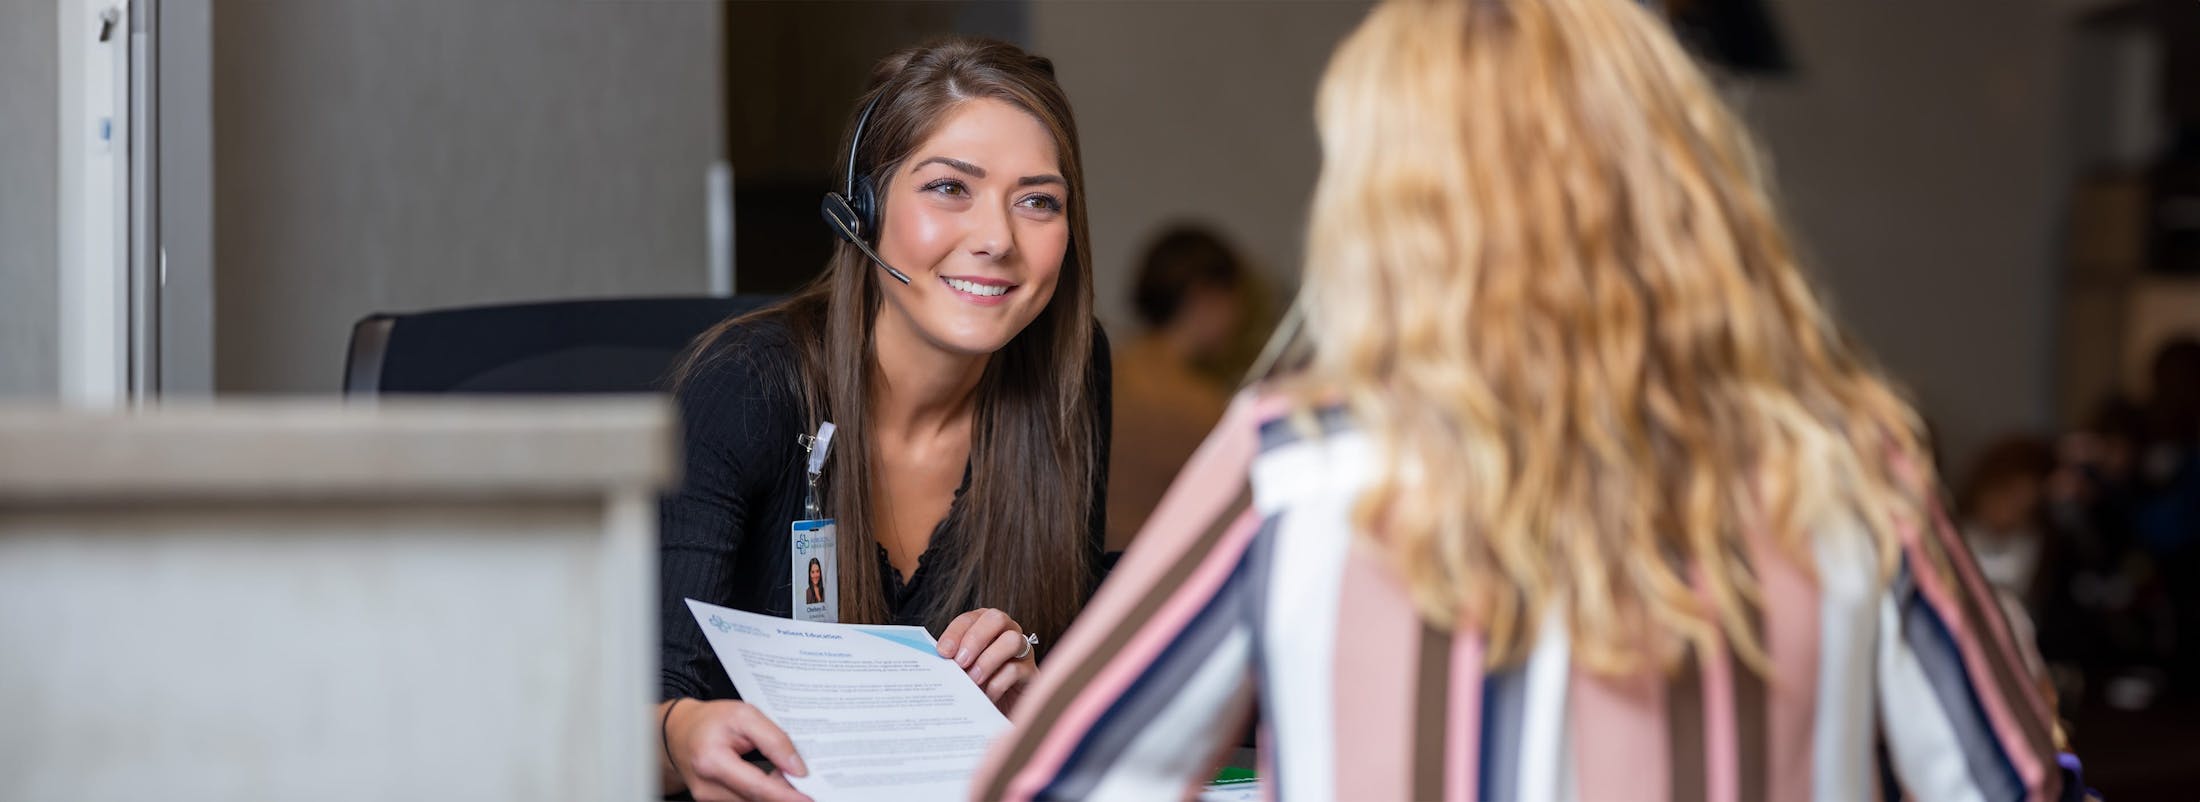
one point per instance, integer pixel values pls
(705, 742)
(986, 643)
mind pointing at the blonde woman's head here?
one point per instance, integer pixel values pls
(1544, 272)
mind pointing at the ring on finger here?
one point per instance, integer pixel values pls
(1031, 641)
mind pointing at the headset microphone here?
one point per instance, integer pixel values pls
(865, 247)
(852, 213)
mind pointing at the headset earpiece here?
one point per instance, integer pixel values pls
(864, 202)
(842, 218)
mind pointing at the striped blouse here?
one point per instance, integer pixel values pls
(1245, 590)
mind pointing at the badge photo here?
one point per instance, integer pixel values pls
(816, 583)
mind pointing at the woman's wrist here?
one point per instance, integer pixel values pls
(668, 722)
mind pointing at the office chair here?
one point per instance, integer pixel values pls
(609, 345)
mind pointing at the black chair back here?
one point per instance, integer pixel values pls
(610, 345)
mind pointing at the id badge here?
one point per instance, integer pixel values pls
(816, 584)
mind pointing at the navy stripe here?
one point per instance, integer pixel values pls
(1929, 638)
(1025, 741)
(1155, 689)
(1504, 701)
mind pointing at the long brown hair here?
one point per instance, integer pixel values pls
(1025, 516)
(1545, 274)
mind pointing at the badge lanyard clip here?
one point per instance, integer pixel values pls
(813, 567)
(818, 446)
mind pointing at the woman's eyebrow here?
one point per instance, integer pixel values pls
(979, 172)
(974, 170)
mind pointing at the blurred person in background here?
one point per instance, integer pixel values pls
(2003, 513)
(1189, 295)
(1579, 493)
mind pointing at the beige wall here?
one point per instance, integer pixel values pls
(29, 151)
(1919, 153)
(403, 154)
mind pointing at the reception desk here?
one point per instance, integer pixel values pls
(308, 600)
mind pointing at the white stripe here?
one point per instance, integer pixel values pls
(1928, 758)
(1313, 485)
(1545, 769)
(1312, 472)
(1175, 745)
(1842, 734)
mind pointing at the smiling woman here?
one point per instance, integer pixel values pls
(969, 394)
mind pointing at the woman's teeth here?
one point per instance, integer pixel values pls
(975, 288)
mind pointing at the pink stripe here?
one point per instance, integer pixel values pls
(1137, 655)
(1722, 752)
(1378, 634)
(1201, 494)
(1621, 748)
(1463, 727)
(1959, 555)
(1211, 481)
(1975, 656)
(1268, 407)
(1998, 642)
(1791, 693)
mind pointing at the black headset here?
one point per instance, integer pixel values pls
(852, 213)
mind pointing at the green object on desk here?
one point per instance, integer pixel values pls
(1232, 775)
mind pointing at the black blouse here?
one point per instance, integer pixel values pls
(724, 535)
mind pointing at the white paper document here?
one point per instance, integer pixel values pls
(874, 711)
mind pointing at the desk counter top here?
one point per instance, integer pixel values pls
(327, 448)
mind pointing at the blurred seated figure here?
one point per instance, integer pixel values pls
(2002, 510)
(2002, 507)
(1189, 297)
